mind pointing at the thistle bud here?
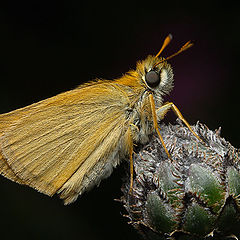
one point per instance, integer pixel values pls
(193, 195)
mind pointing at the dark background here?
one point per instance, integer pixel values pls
(47, 47)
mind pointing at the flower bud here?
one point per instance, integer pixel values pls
(194, 195)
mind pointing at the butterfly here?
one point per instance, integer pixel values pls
(68, 143)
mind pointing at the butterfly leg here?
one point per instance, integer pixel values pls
(129, 140)
(163, 110)
(155, 124)
(131, 168)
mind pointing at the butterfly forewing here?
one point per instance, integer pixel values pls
(47, 152)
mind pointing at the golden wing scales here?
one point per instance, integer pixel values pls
(60, 139)
(96, 161)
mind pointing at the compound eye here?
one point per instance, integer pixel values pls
(152, 78)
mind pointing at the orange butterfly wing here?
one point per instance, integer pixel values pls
(54, 144)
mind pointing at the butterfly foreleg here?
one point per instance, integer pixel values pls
(164, 109)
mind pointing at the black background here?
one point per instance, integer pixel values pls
(47, 47)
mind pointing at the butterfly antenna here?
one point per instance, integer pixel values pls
(183, 48)
(165, 43)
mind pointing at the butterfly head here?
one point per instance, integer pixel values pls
(157, 78)
(155, 73)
